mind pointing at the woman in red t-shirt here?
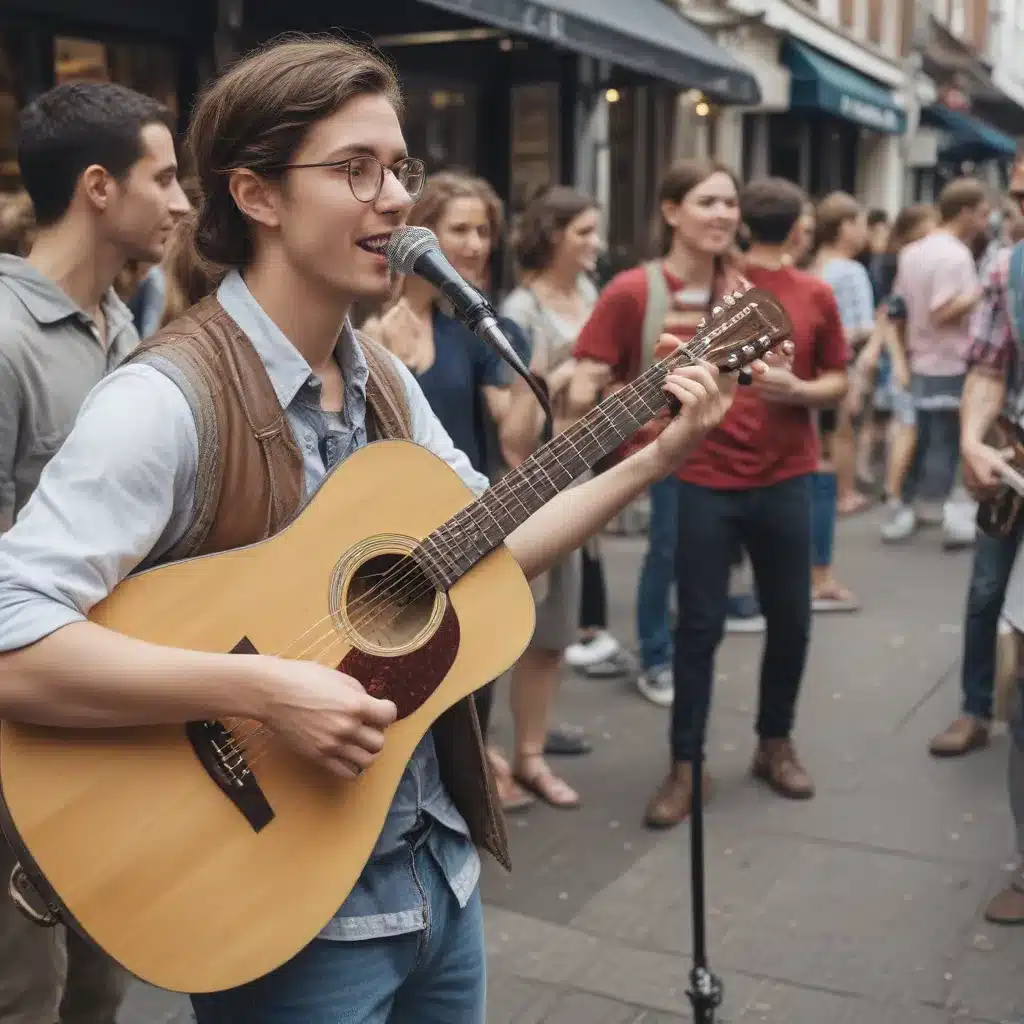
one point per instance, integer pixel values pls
(700, 210)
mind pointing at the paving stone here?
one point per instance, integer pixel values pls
(774, 1003)
(857, 922)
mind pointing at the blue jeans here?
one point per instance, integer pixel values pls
(932, 473)
(823, 518)
(990, 573)
(435, 976)
(656, 575)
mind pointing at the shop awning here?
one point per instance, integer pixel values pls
(646, 36)
(820, 83)
(968, 137)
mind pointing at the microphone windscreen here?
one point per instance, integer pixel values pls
(406, 246)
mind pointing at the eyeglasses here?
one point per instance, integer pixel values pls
(366, 175)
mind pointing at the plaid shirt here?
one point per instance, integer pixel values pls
(993, 345)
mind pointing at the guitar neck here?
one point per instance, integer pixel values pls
(454, 548)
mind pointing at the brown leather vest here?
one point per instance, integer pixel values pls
(250, 484)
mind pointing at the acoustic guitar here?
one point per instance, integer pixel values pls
(998, 516)
(202, 856)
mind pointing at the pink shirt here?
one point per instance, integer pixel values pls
(933, 270)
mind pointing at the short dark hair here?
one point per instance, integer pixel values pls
(73, 126)
(770, 207)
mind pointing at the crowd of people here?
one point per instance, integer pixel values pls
(905, 339)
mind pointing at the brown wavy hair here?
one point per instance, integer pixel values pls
(444, 187)
(907, 223)
(187, 277)
(258, 114)
(553, 210)
(679, 181)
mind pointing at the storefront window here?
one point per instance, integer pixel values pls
(152, 70)
(440, 122)
(8, 120)
(534, 157)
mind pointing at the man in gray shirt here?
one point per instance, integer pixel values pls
(98, 161)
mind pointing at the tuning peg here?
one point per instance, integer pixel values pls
(703, 323)
(729, 300)
(717, 311)
(738, 294)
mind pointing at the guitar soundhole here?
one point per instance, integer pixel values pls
(389, 606)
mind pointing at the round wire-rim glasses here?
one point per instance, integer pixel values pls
(366, 175)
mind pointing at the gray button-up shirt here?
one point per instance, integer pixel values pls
(120, 493)
(51, 355)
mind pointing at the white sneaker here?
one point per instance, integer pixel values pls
(599, 647)
(958, 524)
(901, 524)
(657, 685)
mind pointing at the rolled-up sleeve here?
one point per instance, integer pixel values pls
(993, 346)
(107, 499)
(428, 431)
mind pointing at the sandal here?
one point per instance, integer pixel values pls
(511, 795)
(834, 597)
(566, 741)
(853, 505)
(544, 784)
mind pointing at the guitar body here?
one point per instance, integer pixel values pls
(998, 516)
(196, 878)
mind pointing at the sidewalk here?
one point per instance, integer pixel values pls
(860, 907)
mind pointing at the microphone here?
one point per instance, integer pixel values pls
(415, 250)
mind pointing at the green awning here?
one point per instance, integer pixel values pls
(968, 138)
(820, 83)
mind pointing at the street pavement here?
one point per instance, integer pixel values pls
(862, 906)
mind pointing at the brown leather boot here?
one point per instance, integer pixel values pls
(673, 799)
(965, 734)
(776, 763)
(1007, 907)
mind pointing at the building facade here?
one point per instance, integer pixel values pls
(886, 99)
(524, 92)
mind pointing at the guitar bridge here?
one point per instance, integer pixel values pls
(227, 765)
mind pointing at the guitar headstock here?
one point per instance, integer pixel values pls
(742, 328)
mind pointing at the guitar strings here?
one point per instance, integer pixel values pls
(375, 601)
(372, 611)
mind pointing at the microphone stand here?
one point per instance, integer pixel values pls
(705, 991)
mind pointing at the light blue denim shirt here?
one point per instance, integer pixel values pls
(120, 493)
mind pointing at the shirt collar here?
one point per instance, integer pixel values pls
(48, 303)
(286, 367)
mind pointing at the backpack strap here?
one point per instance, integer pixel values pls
(656, 308)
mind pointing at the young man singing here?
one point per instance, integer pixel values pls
(98, 162)
(304, 174)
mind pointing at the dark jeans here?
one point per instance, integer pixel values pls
(993, 560)
(593, 593)
(773, 524)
